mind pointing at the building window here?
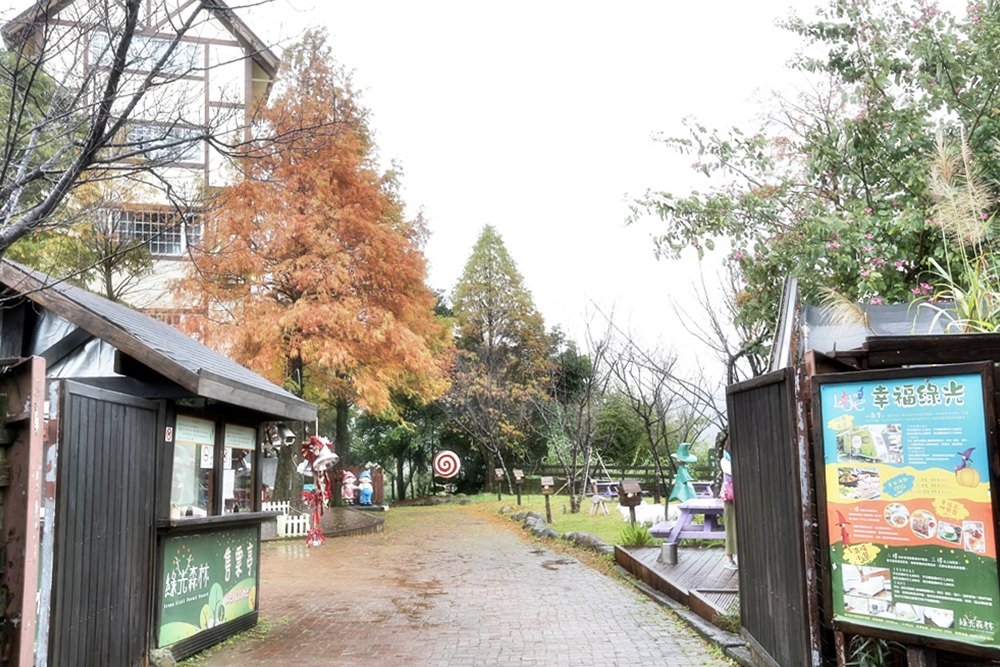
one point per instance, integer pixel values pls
(238, 461)
(161, 142)
(212, 475)
(194, 462)
(168, 233)
(144, 52)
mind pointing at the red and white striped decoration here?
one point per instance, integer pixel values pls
(446, 464)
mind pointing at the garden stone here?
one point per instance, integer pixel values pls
(549, 533)
(161, 657)
(587, 540)
(518, 516)
(506, 509)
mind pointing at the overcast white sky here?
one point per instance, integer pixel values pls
(538, 117)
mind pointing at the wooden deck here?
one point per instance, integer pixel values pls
(698, 580)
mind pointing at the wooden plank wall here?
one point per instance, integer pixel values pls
(104, 567)
(773, 602)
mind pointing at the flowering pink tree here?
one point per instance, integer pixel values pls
(835, 187)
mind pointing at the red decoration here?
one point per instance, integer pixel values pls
(314, 499)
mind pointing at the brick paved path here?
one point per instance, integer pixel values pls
(447, 586)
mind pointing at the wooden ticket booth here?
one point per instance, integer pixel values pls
(131, 510)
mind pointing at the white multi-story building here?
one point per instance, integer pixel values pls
(192, 106)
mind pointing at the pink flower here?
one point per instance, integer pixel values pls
(832, 245)
(739, 255)
(869, 236)
(865, 273)
(877, 300)
(926, 287)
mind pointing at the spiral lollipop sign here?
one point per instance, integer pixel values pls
(446, 464)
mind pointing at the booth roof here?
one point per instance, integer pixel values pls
(157, 345)
(802, 327)
(823, 332)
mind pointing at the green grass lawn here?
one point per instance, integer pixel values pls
(608, 528)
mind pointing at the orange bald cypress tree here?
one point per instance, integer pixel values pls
(310, 272)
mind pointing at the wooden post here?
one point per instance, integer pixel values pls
(631, 514)
(840, 648)
(548, 510)
(518, 495)
(920, 657)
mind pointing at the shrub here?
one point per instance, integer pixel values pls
(637, 535)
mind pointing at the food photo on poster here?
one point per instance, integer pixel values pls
(908, 507)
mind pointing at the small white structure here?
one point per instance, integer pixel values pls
(648, 513)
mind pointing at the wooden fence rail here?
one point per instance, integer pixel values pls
(645, 475)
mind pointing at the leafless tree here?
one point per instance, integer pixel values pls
(741, 348)
(570, 407)
(666, 404)
(97, 93)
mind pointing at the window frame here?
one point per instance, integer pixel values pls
(216, 500)
(141, 224)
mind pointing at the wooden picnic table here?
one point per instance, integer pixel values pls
(686, 529)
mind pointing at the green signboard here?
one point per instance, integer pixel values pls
(208, 579)
(909, 508)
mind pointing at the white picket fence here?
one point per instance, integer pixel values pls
(290, 523)
(282, 506)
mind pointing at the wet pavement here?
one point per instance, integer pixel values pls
(448, 586)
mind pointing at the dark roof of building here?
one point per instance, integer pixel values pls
(157, 345)
(14, 29)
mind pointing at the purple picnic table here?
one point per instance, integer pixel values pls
(685, 528)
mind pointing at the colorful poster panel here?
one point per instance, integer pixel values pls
(908, 507)
(208, 579)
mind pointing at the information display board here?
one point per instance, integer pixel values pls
(908, 509)
(208, 579)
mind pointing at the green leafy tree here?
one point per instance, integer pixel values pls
(833, 188)
(502, 361)
(620, 436)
